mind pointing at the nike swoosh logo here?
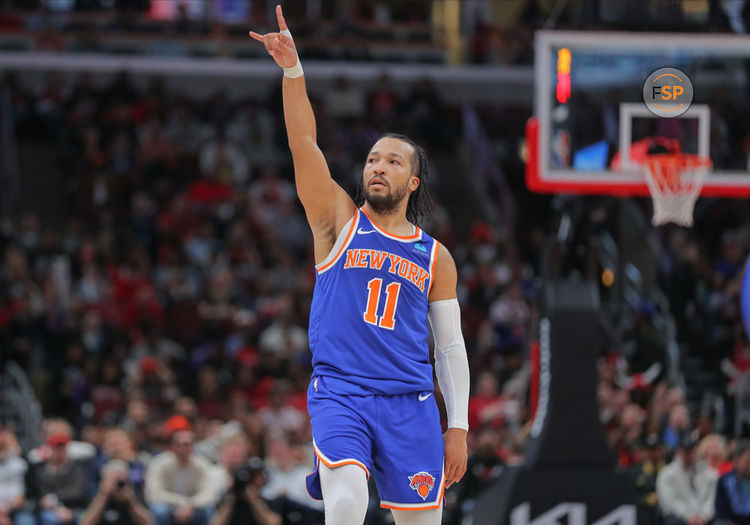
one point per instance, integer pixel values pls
(422, 397)
(363, 232)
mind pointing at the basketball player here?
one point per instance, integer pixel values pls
(380, 279)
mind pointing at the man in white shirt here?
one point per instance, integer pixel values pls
(179, 486)
(686, 487)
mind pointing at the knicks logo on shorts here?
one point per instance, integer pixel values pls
(315, 384)
(422, 482)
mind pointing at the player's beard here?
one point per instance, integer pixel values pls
(386, 204)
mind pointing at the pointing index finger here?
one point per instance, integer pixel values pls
(280, 18)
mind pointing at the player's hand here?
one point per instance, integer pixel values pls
(279, 46)
(455, 455)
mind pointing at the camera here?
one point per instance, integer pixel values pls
(251, 473)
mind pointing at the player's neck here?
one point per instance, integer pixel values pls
(394, 223)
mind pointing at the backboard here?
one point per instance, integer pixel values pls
(591, 124)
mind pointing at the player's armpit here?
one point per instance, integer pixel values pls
(325, 235)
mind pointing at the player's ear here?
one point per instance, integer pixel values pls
(414, 183)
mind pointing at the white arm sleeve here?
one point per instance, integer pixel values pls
(451, 363)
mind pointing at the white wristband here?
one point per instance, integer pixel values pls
(296, 70)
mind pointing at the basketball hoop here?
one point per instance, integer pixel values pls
(675, 180)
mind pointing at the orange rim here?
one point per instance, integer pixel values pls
(667, 167)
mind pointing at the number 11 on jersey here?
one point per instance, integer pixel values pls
(388, 319)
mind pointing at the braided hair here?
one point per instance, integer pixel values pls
(419, 206)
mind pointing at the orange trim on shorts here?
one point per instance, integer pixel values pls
(415, 236)
(349, 237)
(340, 463)
(435, 248)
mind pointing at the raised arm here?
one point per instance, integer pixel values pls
(327, 206)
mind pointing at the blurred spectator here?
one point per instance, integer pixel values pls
(59, 484)
(645, 475)
(223, 160)
(154, 343)
(76, 450)
(283, 337)
(12, 480)
(630, 429)
(178, 482)
(155, 380)
(686, 487)
(233, 451)
(713, 450)
(733, 489)
(736, 365)
(678, 424)
(254, 130)
(484, 466)
(486, 405)
(383, 103)
(115, 502)
(118, 445)
(279, 416)
(286, 472)
(210, 397)
(344, 101)
(107, 397)
(183, 128)
(510, 314)
(135, 423)
(243, 504)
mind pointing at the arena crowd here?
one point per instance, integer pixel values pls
(161, 317)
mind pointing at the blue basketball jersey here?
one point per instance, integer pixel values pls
(368, 320)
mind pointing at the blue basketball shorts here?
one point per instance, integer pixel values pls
(396, 438)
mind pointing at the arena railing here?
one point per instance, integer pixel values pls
(457, 85)
(231, 47)
(19, 407)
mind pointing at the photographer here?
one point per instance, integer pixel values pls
(115, 502)
(242, 504)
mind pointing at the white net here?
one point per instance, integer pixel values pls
(675, 182)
